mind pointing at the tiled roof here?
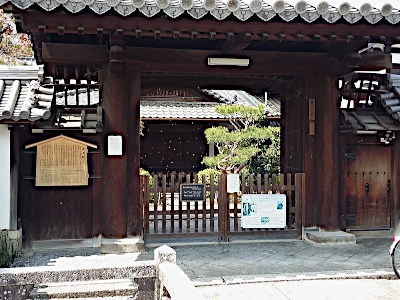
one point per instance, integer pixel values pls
(77, 93)
(331, 11)
(383, 117)
(22, 95)
(179, 110)
(273, 107)
(369, 120)
(391, 100)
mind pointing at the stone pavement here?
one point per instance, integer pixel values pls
(349, 289)
(244, 260)
(278, 269)
(257, 260)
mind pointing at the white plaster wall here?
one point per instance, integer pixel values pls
(4, 177)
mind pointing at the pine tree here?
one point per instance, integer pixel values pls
(240, 144)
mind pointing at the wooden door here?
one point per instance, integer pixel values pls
(367, 186)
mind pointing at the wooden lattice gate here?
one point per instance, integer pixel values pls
(219, 215)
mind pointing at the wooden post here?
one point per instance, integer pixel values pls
(164, 204)
(327, 159)
(115, 99)
(146, 204)
(172, 203)
(223, 208)
(133, 207)
(212, 194)
(156, 199)
(97, 189)
(289, 201)
(299, 204)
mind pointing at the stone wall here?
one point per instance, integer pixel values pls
(10, 244)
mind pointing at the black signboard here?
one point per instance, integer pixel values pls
(192, 192)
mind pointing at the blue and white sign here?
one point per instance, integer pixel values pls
(263, 211)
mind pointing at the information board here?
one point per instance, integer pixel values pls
(263, 211)
(233, 183)
(114, 145)
(192, 192)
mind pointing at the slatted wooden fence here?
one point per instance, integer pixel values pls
(219, 215)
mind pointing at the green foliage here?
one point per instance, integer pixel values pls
(151, 182)
(237, 147)
(207, 173)
(147, 173)
(268, 159)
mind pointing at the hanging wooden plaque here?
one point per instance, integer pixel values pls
(61, 161)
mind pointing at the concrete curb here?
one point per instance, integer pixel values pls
(358, 274)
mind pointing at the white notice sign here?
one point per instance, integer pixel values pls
(114, 145)
(233, 183)
(263, 211)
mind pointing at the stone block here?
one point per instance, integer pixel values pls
(164, 254)
(126, 245)
(11, 242)
(330, 237)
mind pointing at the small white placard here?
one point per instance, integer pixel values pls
(114, 145)
(263, 211)
(233, 183)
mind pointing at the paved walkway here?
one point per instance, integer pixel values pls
(251, 260)
(244, 260)
(349, 289)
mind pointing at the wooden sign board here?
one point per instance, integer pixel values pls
(61, 161)
(192, 192)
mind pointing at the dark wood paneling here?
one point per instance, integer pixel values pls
(57, 212)
(395, 201)
(293, 126)
(188, 61)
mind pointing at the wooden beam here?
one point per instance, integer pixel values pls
(74, 53)
(186, 60)
(256, 84)
(236, 44)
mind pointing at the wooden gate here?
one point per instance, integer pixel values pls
(219, 215)
(368, 186)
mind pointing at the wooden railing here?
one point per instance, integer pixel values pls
(219, 214)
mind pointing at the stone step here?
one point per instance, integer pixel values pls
(93, 289)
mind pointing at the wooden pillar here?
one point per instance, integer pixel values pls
(395, 203)
(115, 101)
(134, 206)
(310, 156)
(15, 166)
(327, 152)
